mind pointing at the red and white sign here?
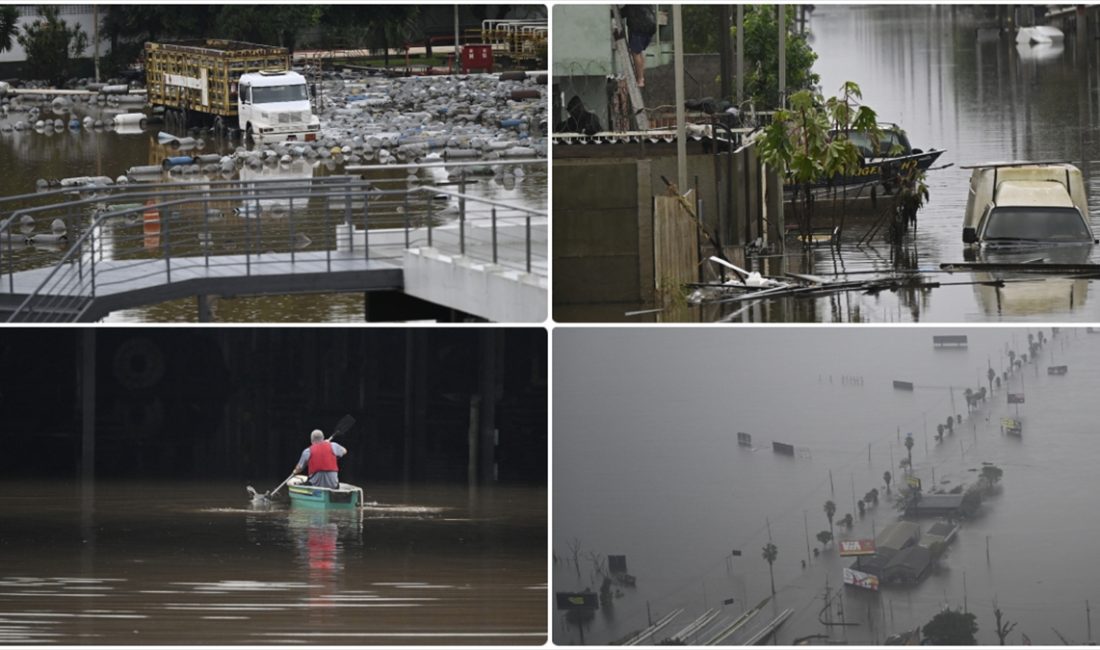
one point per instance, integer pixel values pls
(860, 579)
(850, 547)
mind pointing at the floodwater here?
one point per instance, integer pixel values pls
(943, 74)
(50, 154)
(191, 563)
(647, 464)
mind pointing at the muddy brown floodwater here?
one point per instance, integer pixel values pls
(194, 563)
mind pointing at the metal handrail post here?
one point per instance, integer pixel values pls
(165, 220)
(405, 214)
(293, 246)
(335, 234)
(347, 217)
(259, 229)
(247, 242)
(94, 239)
(494, 210)
(429, 220)
(206, 231)
(527, 219)
(462, 213)
(366, 230)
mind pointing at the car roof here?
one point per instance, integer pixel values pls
(1032, 193)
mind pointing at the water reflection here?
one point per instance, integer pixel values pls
(204, 568)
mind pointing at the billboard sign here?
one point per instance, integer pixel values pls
(1015, 398)
(860, 579)
(851, 547)
(913, 482)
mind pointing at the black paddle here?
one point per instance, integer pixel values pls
(342, 427)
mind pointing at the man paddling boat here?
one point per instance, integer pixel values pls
(319, 459)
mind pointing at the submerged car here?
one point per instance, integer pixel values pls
(1026, 204)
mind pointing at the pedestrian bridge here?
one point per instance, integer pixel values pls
(132, 245)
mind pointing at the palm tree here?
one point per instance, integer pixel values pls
(909, 448)
(824, 537)
(969, 395)
(830, 510)
(990, 374)
(939, 432)
(862, 508)
(886, 476)
(770, 555)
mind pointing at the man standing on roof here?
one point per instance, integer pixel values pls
(319, 458)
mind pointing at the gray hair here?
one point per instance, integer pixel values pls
(316, 436)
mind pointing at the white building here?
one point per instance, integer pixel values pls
(82, 15)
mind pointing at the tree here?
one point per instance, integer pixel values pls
(969, 395)
(810, 143)
(991, 474)
(871, 497)
(9, 26)
(886, 476)
(951, 627)
(990, 374)
(847, 521)
(824, 537)
(762, 55)
(771, 553)
(909, 448)
(862, 508)
(830, 510)
(1003, 628)
(51, 44)
(939, 432)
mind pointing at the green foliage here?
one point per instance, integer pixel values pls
(9, 26)
(702, 24)
(824, 537)
(762, 55)
(991, 474)
(51, 45)
(771, 553)
(951, 627)
(809, 142)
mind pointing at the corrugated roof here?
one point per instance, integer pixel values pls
(898, 535)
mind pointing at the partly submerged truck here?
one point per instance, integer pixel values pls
(231, 84)
(1026, 204)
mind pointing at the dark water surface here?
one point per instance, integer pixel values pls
(191, 563)
(943, 74)
(646, 464)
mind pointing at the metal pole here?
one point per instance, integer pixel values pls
(458, 53)
(740, 54)
(806, 526)
(528, 228)
(781, 16)
(95, 38)
(462, 212)
(681, 129)
(494, 210)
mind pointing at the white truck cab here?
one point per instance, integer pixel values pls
(274, 106)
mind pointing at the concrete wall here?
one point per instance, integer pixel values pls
(581, 38)
(499, 295)
(700, 80)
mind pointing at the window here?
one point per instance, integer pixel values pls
(271, 94)
(1036, 224)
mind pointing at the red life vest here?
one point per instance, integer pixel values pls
(321, 458)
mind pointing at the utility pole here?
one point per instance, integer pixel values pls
(1088, 622)
(95, 39)
(965, 611)
(832, 490)
(781, 16)
(458, 53)
(681, 128)
(740, 55)
(806, 525)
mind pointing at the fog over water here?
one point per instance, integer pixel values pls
(646, 464)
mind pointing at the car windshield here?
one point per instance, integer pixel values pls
(271, 94)
(1036, 224)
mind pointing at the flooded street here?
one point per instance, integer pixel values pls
(58, 154)
(195, 564)
(647, 465)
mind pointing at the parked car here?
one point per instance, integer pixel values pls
(1026, 204)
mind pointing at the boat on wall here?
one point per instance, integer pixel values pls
(346, 497)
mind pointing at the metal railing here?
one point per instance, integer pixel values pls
(161, 233)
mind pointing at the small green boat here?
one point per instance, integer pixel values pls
(347, 497)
